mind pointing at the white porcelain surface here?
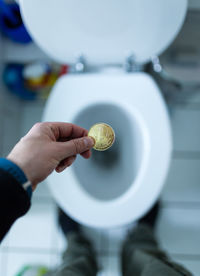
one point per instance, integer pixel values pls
(104, 31)
(138, 162)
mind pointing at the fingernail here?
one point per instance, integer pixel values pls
(60, 169)
(89, 142)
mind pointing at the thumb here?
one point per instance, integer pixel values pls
(77, 146)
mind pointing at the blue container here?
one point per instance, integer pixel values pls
(11, 23)
(13, 79)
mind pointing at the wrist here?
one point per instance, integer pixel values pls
(13, 169)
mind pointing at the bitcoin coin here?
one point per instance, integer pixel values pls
(103, 135)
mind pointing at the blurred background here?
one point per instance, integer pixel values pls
(26, 78)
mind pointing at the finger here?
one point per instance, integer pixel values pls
(87, 154)
(68, 161)
(65, 130)
(65, 163)
(34, 186)
(75, 146)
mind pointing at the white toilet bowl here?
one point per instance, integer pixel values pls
(118, 186)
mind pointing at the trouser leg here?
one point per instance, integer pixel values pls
(141, 256)
(78, 259)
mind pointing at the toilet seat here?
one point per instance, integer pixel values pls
(138, 91)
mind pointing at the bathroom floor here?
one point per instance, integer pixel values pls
(36, 239)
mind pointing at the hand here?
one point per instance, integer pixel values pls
(48, 147)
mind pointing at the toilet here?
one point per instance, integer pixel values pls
(118, 186)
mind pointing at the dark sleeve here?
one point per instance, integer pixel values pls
(14, 202)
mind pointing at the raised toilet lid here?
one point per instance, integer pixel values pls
(103, 31)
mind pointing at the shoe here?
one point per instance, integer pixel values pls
(66, 223)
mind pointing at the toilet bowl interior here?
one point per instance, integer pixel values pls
(108, 175)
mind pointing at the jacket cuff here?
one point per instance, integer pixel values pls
(17, 173)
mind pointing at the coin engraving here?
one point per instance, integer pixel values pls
(104, 136)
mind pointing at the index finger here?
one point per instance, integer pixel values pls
(65, 130)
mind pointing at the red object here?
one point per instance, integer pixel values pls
(64, 70)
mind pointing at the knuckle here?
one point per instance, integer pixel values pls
(22, 140)
(35, 131)
(38, 125)
(49, 124)
(78, 144)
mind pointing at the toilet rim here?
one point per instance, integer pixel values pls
(123, 205)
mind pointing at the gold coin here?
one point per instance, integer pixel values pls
(103, 135)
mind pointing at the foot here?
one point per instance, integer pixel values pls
(66, 223)
(151, 217)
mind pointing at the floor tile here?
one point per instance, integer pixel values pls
(34, 230)
(3, 263)
(114, 266)
(58, 240)
(105, 241)
(103, 263)
(178, 230)
(115, 237)
(186, 129)
(93, 235)
(56, 260)
(183, 182)
(61, 241)
(17, 260)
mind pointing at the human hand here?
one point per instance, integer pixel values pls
(48, 147)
